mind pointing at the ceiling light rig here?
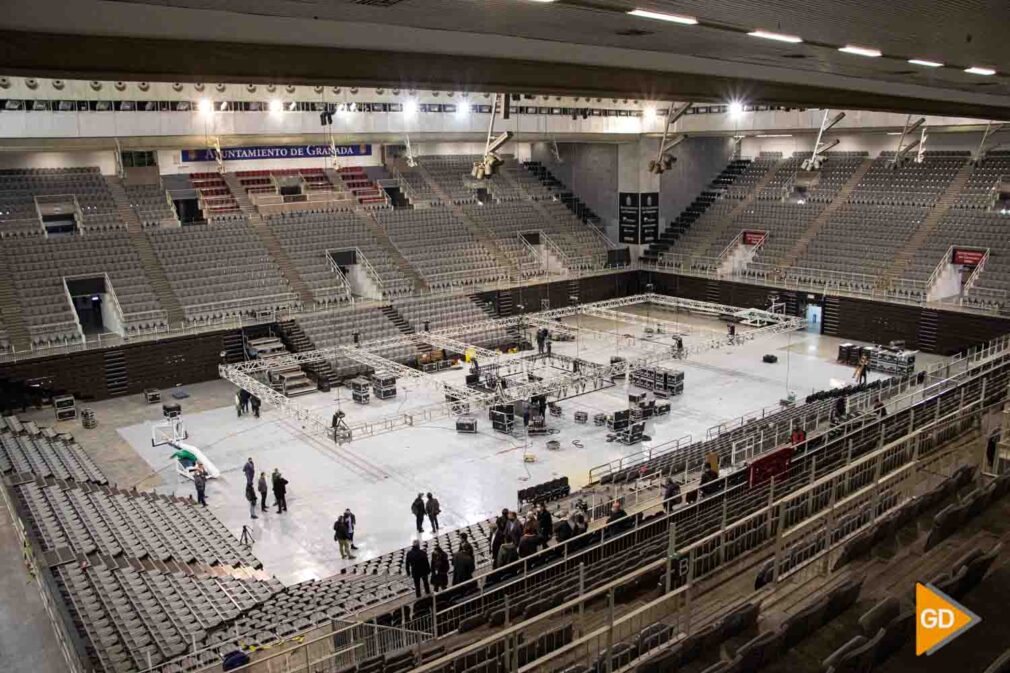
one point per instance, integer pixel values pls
(778, 37)
(664, 161)
(924, 63)
(662, 16)
(860, 51)
(977, 70)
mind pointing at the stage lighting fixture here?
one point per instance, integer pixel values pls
(276, 106)
(205, 106)
(410, 108)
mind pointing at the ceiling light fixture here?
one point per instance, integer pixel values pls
(925, 64)
(648, 114)
(860, 51)
(205, 106)
(976, 70)
(775, 135)
(735, 108)
(276, 106)
(660, 16)
(463, 109)
(410, 107)
(778, 37)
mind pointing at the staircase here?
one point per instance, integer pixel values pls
(694, 210)
(920, 235)
(11, 317)
(148, 259)
(234, 347)
(567, 197)
(506, 305)
(928, 323)
(715, 229)
(829, 317)
(789, 259)
(478, 231)
(365, 190)
(297, 341)
(116, 380)
(405, 267)
(269, 240)
(712, 293)
(397, 319)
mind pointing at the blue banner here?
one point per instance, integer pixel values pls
(277, 152)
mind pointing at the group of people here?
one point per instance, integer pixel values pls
(278, 484)
(419, 567)
(420, 509)
(244, 400)
(343, 533)
(543, 341)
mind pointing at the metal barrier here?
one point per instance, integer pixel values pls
(801, 527)
(70, 645)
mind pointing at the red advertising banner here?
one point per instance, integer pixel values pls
(968, 257)
(773, 465)
(753, 237)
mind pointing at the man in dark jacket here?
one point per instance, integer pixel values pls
(617, 513)
(563, 530)
(351, 522)
(514, 529)
(439, 568)
(255, 403)
(200, 481)
(671, 494)
(507, 554)
(462, 567)
(546, 524)
(418, 567)
(250, 471)
(432, 509)
(529, 543)
(280, 492)
(250, 495)
(708, 478)
(464, 544)
(341, 536)
(417, 507)
(497, 540)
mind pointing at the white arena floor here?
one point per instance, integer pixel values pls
(473, 476)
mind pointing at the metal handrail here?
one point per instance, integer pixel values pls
(344, 285)
(976, 272)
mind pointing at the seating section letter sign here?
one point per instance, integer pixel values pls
(938, 619)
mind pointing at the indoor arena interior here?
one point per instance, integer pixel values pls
(504, 336)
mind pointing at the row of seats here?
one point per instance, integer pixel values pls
(46, 455)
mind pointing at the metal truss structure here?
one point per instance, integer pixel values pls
(572, 380)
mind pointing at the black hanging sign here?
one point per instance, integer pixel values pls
(629, 218)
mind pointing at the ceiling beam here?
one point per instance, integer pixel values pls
(35, 54)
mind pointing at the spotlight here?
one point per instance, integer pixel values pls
(735, 108)
(463, 109)
(648, 115)
(205, 106)
(276, 106)
(410, 108)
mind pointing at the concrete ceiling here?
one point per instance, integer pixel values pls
(570, 46)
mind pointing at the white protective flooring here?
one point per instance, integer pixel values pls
(473, 476)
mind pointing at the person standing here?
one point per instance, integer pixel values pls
(514, 529)
(342, 538)
(545, 522)
(530, 541)
(417, 507)
(250, 495)
(250, 471)
(497, 540)
(462, 566)
(280, 492)
(432, 509)
(200, 481)
(507, 554)
(243, 398)
(418, 567)
(261, 486)
(351, 521)
(439, 568)
(238, 405)
(255, 403)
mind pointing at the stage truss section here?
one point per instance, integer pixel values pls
(464, 399)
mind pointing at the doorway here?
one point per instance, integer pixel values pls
(814, 315)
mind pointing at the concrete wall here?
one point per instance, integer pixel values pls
(105, 160)
(591, 171)
(699, 160)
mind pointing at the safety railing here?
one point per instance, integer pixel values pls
(940, 266)
(343, 287)
(976, 272)
(798, 528)
(264, 303)
(639, 457)
(22, 226)
(70, 645)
